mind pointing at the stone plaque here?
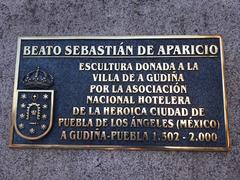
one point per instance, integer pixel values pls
(131, 92)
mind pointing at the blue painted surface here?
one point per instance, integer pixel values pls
(71, 87)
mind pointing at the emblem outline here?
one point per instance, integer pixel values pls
(51, 116)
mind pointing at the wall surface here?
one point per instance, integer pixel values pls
(55, 17)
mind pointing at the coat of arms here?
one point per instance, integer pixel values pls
(34, 111)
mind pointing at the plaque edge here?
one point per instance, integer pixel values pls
(226, 148)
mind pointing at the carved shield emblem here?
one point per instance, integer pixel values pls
(34, 111)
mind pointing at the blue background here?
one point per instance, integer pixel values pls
(72, 86)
